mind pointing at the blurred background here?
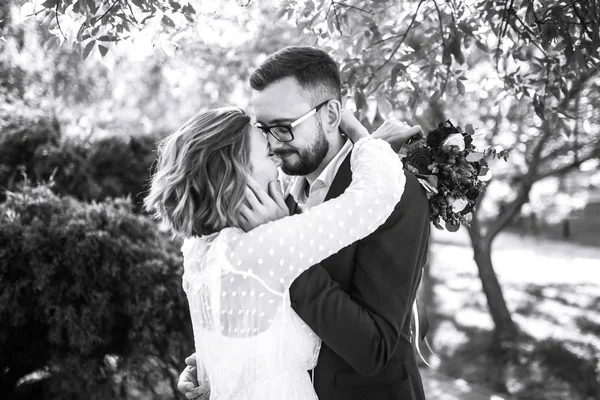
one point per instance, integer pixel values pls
(91, 304)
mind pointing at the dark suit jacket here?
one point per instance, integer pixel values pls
(358, 301)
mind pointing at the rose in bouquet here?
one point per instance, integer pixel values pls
(452, 171)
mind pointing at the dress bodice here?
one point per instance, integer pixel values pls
(271, 364)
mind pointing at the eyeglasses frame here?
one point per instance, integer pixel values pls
(290, 126)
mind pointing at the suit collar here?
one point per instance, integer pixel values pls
(342, 179)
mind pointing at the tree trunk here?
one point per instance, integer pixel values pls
(505, 328)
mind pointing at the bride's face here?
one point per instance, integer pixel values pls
(264, 168)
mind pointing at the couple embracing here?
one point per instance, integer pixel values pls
(304, 242)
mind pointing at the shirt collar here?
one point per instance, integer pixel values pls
(297, 187)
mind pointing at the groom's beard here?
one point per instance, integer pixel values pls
(307, 160)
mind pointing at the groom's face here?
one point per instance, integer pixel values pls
(281, 103)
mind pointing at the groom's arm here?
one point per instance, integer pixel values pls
(364, 326)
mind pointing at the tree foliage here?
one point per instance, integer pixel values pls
(90, 295)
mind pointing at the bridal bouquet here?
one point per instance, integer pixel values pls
(452, 171)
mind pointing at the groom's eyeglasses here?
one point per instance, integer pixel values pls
(283, 133)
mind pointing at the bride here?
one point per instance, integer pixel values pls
(214, 175)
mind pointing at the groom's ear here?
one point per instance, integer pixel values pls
(334, 116)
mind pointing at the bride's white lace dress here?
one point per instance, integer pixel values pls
(250, 344)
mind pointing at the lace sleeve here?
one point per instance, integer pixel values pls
(277, 252)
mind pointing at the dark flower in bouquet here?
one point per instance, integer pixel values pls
(439, 155)
(451, 170)
(438, 136)
(420, 159)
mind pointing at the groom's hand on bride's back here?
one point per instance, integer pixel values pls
(260, 207)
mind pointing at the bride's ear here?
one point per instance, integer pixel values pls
(334, 116)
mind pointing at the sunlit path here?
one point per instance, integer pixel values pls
(440, 387)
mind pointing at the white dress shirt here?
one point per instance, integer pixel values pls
(317, 190)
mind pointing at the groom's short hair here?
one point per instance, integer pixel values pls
(316, 72)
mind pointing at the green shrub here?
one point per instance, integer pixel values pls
(121, 166)
(23, 136)
(90, 295)
(32, 148)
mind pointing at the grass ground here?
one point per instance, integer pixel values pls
(553, 291)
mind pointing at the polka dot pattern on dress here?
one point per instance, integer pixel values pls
(255, 309)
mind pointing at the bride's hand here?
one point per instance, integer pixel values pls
(261, 207)
(351, 126)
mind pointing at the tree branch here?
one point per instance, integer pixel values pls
(530, 31)
(444, 46)
(107, 11)
(328, 10)
(507, 10)
(525, 187)
(583, 20)
(451, 6)
(57, 21)
(389, 38)
(504, 22)
(337, 20)
(352, 7)
(565, 169)
(441, 25)
(131, 11)
(375, 88)
(475, 230)
(562, 150)
(387, 60)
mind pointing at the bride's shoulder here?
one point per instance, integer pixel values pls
(195, 243)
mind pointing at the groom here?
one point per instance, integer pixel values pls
(358, 301)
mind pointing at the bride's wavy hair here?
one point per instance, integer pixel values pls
(200, 177)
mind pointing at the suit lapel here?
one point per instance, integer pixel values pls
(342, 179)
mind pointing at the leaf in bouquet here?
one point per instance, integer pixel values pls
(452, 227)
(485, 174)
(428, 187)
(469, 129)
(433, 180)
(474, 157)
(412, 169)
(490, 151)
(437, 225)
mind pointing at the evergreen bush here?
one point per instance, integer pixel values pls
(90, 299)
